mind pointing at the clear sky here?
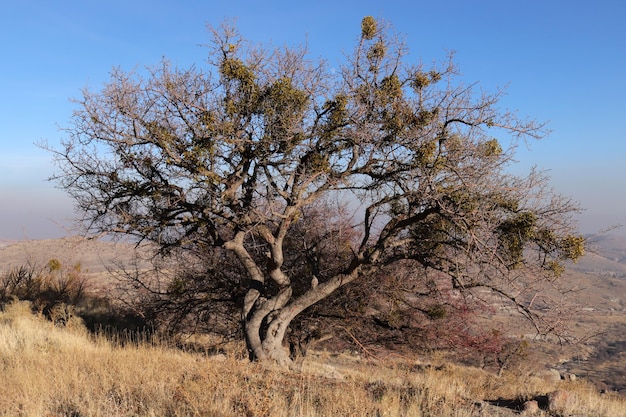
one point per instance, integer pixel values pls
(564, 62)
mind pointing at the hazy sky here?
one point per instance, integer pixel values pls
(564, 62)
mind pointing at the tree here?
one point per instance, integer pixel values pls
(233, 157)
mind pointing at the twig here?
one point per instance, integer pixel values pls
(367, 352)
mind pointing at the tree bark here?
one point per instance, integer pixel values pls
(261, 327)
(266, 327)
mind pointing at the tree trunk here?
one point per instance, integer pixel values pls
(252, 331)
(265, 341)
(266, 326)
(273, 343)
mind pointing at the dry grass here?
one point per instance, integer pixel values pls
(53, 371)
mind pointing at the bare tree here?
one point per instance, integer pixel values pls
(232, 157)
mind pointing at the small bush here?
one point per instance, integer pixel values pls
(52, 289)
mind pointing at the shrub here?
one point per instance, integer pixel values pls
(53, 289)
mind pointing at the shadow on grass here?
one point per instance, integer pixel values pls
(518, 404)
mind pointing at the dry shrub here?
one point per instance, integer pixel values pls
(52, 289)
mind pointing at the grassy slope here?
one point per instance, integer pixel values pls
(604, 292)
(52, 371)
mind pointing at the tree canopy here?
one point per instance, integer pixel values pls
(235, 153)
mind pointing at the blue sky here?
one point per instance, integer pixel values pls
(564, 62)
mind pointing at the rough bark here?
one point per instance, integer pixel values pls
(278, 313)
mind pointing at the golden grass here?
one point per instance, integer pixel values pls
(51, 371)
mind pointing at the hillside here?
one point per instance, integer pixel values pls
(599, 278)
(94, 256)
(598, 275)
(63, 371)
(606, 257)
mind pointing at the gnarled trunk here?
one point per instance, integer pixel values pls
(269, 346)
(266, 325)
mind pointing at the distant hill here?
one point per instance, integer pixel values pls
(606, 257)
(94, 256)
